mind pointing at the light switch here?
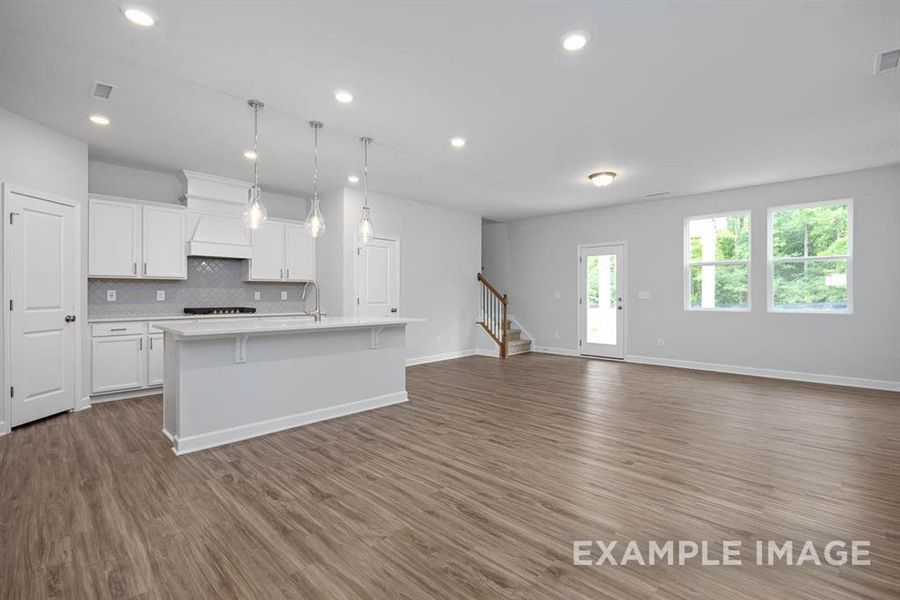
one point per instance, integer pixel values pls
(256, 295)
(284, 295)
(110, 295)
(643, 294)
(160, 295)
(557, 295)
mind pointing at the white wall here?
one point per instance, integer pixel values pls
(864, 345)
(156, 186)
(41, 159)
(439, 258)
(496, 261)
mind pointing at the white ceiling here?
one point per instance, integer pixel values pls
(683, 97)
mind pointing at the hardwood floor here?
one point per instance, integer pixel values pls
(476, 488)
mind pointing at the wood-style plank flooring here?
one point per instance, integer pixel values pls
(475, 488)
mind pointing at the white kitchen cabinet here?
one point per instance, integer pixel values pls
(136, 241)
(115, 239)
(162, 232)
(267, 248)
(299, 253)
(282, 251)
(155, 359)
(118, 363)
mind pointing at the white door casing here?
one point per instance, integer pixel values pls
(601, 313)
(41, 282)
(378, 278)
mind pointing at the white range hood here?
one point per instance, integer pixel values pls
(215, 207)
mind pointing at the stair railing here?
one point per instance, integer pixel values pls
(494, 318)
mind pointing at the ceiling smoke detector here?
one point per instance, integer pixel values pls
(102, 90)
(887, 61)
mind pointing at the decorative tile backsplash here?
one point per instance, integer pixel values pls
(210, 282)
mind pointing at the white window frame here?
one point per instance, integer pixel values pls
(688, 263)
(771, 260)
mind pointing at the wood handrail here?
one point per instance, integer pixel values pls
(492, 289)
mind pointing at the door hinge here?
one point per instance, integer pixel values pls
(579, 301)
(357, 301)
(358, 251)
(12, 392)
(579, 342)
(10, 304)
(10, 218)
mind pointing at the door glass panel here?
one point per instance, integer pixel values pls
(601, 299)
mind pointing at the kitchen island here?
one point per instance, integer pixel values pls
(227, 380)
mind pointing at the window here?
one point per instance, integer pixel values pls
(717, 262)
(810, 257)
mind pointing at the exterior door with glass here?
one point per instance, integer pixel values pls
(601, 308)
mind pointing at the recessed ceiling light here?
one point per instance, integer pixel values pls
(458, 142)
(99, 119)
(343, 96)
(250, 155)
(139, 17)
(353, 179)
(575, 40)
(602, 179)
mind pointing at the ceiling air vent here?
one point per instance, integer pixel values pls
(102, 90)
(887, 61)
(656, 194)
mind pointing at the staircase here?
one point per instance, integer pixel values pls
(496, 322)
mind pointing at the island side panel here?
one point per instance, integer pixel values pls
(170, 386)
(287, 380)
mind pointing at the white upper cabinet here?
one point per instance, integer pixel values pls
(299, 253)
(115, 239)
(282, 251)
(132, 240)
(163, 248)
(267, 248)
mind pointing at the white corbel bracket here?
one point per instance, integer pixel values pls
(240, 347)
(376, 333)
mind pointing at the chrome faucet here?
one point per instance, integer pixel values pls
(315, 314)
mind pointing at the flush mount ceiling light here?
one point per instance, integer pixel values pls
(575, 40)
(99, 120)
(255, 211)
(602, 179)
(139, 17)
(458, 142)
(343, 96)
(250, 155)
(353, 179)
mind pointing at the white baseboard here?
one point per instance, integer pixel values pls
(493, 352)
(185, 445)
(83, 404)
(168, 435)
(877, 384)
(421, 360)
(552, 350)
(150, 391)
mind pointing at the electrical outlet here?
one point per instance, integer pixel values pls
(556, 334)
(160, 295)
(110, 295)
(256, 295)
(284, 295)
(660, 342)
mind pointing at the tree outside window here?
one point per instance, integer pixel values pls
(717, 269)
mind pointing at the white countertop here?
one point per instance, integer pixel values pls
(183, 317)
(274, 324)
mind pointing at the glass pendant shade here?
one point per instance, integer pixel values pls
(365, 231)
(255, 211)
(315, 222)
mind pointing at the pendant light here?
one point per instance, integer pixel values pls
(365, 231)
(255, 211)
(315, 222)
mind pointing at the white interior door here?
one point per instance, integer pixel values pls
(601, 309)
(42, 277)
(378, 272)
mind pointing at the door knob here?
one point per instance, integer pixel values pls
(393, 310)
(70, 318)
(619, 307)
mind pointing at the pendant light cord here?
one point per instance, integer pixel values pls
(256, 146)
(316, 165)
(366, 172)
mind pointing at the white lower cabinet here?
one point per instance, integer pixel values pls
(125, 356)
(155, 359)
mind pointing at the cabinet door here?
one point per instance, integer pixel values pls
(114, 239)
(164, 251)
(117, 363)
(267, 247)
(299, 253)
(155, 359)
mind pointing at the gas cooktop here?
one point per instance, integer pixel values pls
(218, 310)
